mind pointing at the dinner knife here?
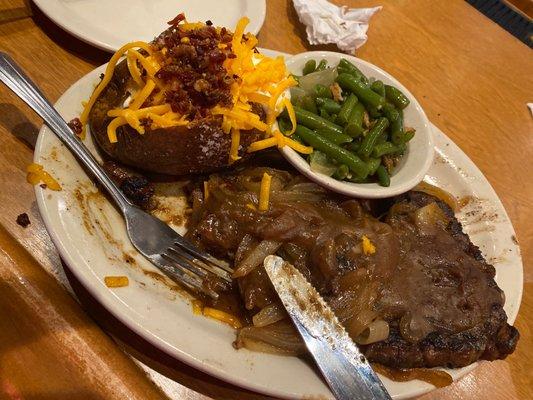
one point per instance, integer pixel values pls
(346, 370)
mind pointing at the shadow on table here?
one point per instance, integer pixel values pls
(67, 41)
(25, 131)
(158, 360)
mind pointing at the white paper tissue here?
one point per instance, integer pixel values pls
(328, 23)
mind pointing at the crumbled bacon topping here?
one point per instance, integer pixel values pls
(75, 125)
(193, 69)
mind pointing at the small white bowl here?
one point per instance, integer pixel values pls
(417, 158)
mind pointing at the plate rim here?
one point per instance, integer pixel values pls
(56, 12)
(173, 351)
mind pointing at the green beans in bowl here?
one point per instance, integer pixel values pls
(370, 137)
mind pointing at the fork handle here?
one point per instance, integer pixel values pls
(16, 80)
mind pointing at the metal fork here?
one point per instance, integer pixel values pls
(165, 248)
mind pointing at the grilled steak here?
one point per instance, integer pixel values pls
(412, 268)
(134, 186)
(446, 276)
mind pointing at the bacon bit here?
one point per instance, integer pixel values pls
(76, 126)
(177, 19)
(116, 281)
(23, 220)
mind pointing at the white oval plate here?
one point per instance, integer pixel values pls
(414, 164)
(110, 24)
(91, 239)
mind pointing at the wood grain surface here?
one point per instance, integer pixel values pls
(472, 78)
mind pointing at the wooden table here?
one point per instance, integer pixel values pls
(472, 78)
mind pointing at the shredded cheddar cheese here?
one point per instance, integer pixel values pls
(368, 246)
(108, 74)
(116, 281)
(264, 192)
(258, 79)
(235, 143)
(206, 190)
(36, 174)
(292, 115)
(222, 316)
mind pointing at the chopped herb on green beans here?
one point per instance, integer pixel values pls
(358, 136)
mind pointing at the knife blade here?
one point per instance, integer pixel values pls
(346, 370)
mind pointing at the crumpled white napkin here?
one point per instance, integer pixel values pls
(328, 23)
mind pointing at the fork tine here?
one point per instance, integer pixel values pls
(184, 263)
(184, 244)
(179, 271)
(201, 265)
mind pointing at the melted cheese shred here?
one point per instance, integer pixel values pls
(264, 192)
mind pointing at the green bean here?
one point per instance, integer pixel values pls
(369, 140)
(403, 137)
(336, 138)
(401, 149)
(396, 129)
(308, 103)
(396, 97)
(352, 130)
(363, 92)
(324, 114)
(382, 138)
(341, 172)
(354, 163)
(347, 67)
(373, 164)
(322, 65)
(355, 122)
(408, 135)
(346, 110)
(390, 112)
(373, 112)
(310, 66)
(322, 91)
(329, 105)
(313, 121)
(384, 148)
(383, 176)
(354, 146)
(378, 87)
(284, 125)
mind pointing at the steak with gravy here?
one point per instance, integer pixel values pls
(409, 286)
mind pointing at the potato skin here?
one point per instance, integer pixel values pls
(200, 147)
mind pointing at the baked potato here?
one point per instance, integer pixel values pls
(195, 100)
(199, 147)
